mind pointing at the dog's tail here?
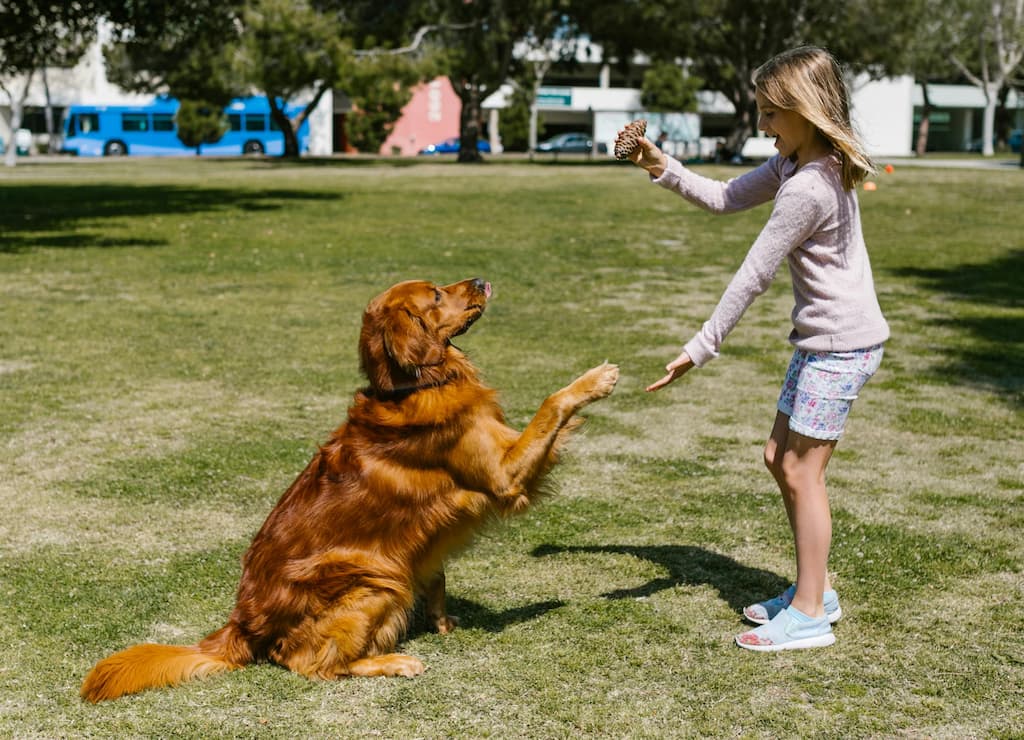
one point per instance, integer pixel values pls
(150, 666)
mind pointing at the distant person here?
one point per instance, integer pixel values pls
(662, 140)
(838, 327)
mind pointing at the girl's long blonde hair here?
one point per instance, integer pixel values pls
(809, 81)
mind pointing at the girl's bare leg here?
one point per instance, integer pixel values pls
(798, 465)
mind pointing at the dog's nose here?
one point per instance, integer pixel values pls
(483, 286)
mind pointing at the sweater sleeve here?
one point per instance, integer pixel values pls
(740, 193)
(796, 215)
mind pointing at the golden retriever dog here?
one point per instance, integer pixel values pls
(422, 461)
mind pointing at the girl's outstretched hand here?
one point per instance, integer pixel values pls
(677, 368)
(650, 157)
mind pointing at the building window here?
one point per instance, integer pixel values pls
(435, 102)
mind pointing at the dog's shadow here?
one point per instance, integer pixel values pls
(473, 615)
(737, 584)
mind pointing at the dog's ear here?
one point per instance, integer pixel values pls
(410, 343)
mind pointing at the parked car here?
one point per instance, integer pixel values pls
(1013, 141)
(451, 146)
(574, 142)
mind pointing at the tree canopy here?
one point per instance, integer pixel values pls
(212, 50)
(35, 34)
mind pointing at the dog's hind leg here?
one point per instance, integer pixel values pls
(356, 637)
(379, 622)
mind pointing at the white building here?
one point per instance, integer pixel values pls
(883, 111)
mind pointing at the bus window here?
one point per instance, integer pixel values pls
(163, 122)
(85, 123)
(134, 122)
(235, 121)
(255, 122)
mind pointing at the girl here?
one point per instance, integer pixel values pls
(838, 327)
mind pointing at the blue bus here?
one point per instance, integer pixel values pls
(117, 130)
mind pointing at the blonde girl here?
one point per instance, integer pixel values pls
(838, 327)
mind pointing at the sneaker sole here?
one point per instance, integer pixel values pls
(833, 617)
(806, 642)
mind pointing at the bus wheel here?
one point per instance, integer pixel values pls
(115, 148)
(252, 147)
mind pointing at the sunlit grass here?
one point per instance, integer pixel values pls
(177, 337)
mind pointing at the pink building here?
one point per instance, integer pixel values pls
(431, 116)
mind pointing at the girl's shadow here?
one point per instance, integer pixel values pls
(739, 585)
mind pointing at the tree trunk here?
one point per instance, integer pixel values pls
(469, 121)
(746, 123)
(540, 69)
(291, 138)
(921, 146)
(54, 138)
(17, 114)
(988, 126)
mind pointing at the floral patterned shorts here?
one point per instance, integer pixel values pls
(820, 387)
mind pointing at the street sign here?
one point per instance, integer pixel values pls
(554, 97)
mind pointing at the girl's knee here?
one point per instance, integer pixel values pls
(798, 474)
(773, 460)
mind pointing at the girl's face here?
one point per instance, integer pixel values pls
(795, 137)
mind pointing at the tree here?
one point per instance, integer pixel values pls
(213, 50)
(35, 34)
(667, 88)
(478, 39)
(927, 57)
(200, 122)
(286, 47)
(987, 48)
(551, 37)
(520, 124)
(185, 48)
(726, 40)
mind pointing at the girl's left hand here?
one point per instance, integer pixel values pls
(676, 369)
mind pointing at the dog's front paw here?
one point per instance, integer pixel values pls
(598, 382)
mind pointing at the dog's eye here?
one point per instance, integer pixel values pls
(437, 295)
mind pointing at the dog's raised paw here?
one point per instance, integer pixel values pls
(599, 382)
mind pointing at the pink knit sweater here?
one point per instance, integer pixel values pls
(815, 224)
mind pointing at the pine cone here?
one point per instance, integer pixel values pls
(628, 140)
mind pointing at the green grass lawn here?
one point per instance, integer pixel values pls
(176, 337)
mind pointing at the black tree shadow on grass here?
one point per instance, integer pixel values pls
(70, 216)
(739, 585)
(992, 354)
